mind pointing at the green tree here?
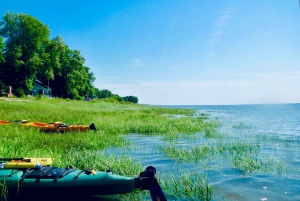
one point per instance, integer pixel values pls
(64, 69)
(2, 86)
(104, 93)
(77, 77)
(27, 53)
(25, 37)
(132, 99)
(2, 59)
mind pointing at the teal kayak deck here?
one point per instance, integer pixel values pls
(66, 181)
(46, 182)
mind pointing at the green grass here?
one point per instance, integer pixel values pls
(110, 118)
(186, 137)
(239, 153)
(190, 185)
(88, 150)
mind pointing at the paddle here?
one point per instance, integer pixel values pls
(42, 161)
(15, 121)
(20, 121)
(147, 181)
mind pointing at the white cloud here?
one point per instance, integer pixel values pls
(276, 87)
(294, 75)
(113, 77)
(197, 84)
(263, 75)
(134, 81)
(163, 52)
(219, 26)
(137, 63)
(173, 68)
(214, 41)
(224, 17)
(266, 79)
(239, 74)
(287, 75)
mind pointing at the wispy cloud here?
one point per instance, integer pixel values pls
(163, 52)
(295, 76)
(263, 75)
(264, 79)
(198, 84)
(118, 86)
(219, 25)
(137, 63)
(173, 24)
(112, 77)
(174, 85)
(239, 74)
(173, 68)
(288, 75)
(254, 88)
(174, 21)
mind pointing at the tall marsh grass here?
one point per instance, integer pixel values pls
(88, 150)
(190, 185)
(111, 120)
(245, 156)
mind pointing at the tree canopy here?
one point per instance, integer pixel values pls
(27, 53)
(24, 38)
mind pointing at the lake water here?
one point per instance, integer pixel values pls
(276, 130)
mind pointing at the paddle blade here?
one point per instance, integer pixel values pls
(42, 161)
(156, 192)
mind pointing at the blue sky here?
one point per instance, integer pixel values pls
(187, 52)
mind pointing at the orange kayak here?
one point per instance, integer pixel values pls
(17, 122)
(54, 127)
(59, 127)
(35, 124)
(4, 122)
(62, 128)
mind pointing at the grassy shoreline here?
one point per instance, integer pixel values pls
(86, 150)
(186, 137)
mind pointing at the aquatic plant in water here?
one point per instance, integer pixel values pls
(3, 191)
(189, 185)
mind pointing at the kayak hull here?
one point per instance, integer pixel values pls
(70, 182)
(4, 122)
(52, 183)
(63, 129)
(35, 124)
(58, 127)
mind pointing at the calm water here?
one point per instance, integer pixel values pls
(275, 127)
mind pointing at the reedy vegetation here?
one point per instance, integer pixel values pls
(207, 149)
(244, 153)
(86, 150)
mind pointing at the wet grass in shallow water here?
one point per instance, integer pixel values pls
(189, 185)
(244, 156)
(3, 191)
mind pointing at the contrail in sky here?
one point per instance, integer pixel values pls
(174, 22)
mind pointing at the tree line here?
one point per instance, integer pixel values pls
(27, 53)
